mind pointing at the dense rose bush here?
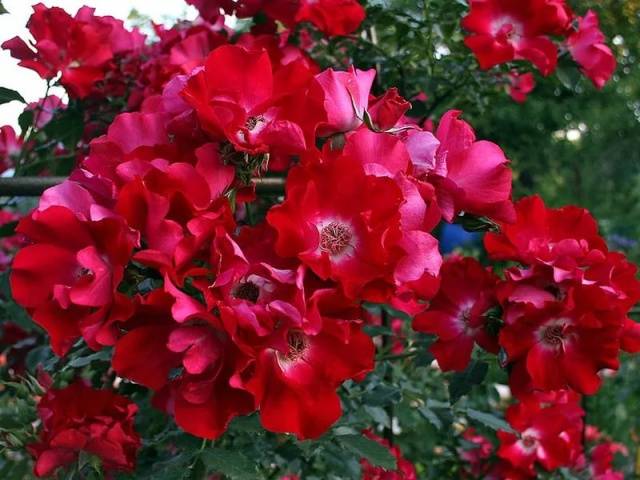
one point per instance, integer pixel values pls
(163, 270)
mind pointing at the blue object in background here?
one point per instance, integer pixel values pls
(453, 236)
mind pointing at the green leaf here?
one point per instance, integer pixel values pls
(2, 9)
(438, 413)
(197, 471)
(462, 382)
(67, 126)
(382, 395)
(489, 420)
(423, 359)
(25, 120)
(38, 356)
(247, 425)
(378, 414)
(378, 455)
(102, 356)
(8, 229)
(231, 463)
(430, 416)
(173, 469)
(568, 73)
(7, 95)
(9, 421)
(375, 330)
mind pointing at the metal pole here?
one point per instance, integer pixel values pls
(34, 186)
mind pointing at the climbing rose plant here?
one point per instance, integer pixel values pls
(201, 323)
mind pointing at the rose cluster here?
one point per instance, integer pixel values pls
(332, 17)
(101, 424)
(548, 430)
(225, 302)
(84, 50)
(141, 249)
(558, 319)
(502, 31)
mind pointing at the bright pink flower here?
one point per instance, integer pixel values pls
(345, 96)
(238, 98)
(457, 314)
(79, 47)
(404, 471)
(10, 146)
(562, 348)
(587, 47)
(45, 109)
(300, 352)
(69, 277)
(386, 156)
(9, 244)
(548, 432)
(346, 226)
(601, 460)
(566, 314)
(544, 235)
(295, 385)
(281, 52)
(506, 30)
(332, 17)
(521, 85)
(505, 470)
(78, 419)
(200, 397)
(566, 241)
(477, 456)
(468, 175)
(388, 109)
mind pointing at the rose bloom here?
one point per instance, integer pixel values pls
(79, 418)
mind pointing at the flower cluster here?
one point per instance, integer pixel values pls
(224, 302)
(565, 307)
(78, 419)
(81, 49)
(140, 248)
(559, 318)
(10, 147)
(562, 312)
(503, 31)
(404, 471)
(332, 17)
(547, 430)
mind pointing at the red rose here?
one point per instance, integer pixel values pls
(79, 418)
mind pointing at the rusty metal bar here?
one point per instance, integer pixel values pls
(34, 186)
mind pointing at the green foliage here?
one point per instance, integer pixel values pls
(365, 448)
(7, 95)
(462, 383)
(489, 420)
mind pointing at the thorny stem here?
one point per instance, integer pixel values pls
(399, 356)
(30, 132)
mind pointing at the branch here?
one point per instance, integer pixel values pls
(35, 186)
